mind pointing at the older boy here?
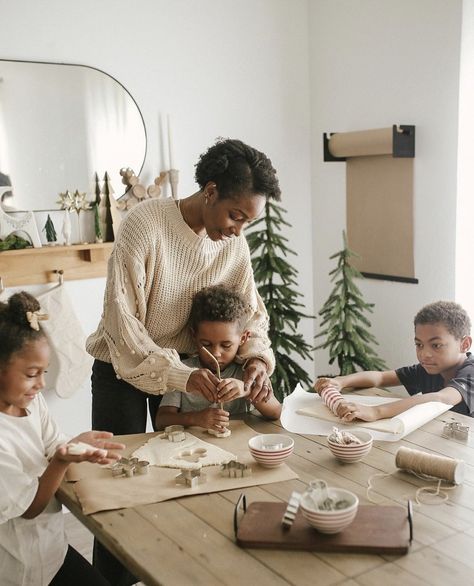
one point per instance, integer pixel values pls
(445, 371)
(217, 322)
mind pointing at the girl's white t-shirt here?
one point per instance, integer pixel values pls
(31, 550)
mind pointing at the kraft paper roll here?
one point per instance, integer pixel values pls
(380, 223)
(362, 143)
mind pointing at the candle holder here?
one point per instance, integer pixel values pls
(174, 179)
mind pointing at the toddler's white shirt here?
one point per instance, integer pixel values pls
(31, 550)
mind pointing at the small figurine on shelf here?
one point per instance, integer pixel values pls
(66, 229)
(136, 192)
(51, 235)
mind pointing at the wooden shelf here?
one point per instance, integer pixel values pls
(36, 266)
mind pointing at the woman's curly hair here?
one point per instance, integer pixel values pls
(15, 329)
(218, 303)
(235, 168)
(447, 313)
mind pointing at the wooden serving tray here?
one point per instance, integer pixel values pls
(376, 529)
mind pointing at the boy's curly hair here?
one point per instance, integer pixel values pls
(235, 168)
(448, 313)
(218, 303)
(15, 330)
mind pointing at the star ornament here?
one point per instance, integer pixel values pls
(74, 202)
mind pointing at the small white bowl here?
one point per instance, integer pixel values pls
(352, 452)
(271, 449)
(330, 521)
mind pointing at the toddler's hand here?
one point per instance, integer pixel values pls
(229, 389)
(212, 418)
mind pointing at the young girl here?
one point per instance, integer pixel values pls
(34, 457)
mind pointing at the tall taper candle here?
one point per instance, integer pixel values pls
(170, 144)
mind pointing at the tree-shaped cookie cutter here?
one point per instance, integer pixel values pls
(234, 469)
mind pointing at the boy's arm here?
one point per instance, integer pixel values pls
(368, 378)
(171, 416)
(351, 411)
(270, 409)
(210, 418)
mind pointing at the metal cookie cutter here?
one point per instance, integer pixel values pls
(291, 510)
(174, 433)
(456, 430)
(234, 469)
(191, 477)
(128, 467)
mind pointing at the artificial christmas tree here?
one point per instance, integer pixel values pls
(276, 278)
(346, 328)
(51, 235)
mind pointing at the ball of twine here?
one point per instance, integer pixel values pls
(431, 465)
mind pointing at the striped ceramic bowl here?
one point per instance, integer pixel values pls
(271, 449)
(352, 452)
(330, 521)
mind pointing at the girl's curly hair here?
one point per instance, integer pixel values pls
(15, 329)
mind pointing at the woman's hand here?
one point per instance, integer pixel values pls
(257, 384)
(100, 448)
(229, 389)
(203, 382)
(211, 418)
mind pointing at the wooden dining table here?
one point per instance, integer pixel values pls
(191, 540)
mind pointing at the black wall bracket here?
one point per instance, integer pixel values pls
(403, 143)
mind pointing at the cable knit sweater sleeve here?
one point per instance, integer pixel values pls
(258, 344)
(157, 265)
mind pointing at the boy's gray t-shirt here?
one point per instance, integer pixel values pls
(187, 402)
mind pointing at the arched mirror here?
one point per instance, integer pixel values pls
(60, 125)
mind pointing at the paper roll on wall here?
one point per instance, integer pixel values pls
(362, 143)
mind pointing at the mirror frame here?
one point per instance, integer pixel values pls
(126, 188)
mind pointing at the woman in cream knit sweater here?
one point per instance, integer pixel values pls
(165, 252)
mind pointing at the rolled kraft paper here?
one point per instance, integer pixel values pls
(420, 462)
(362, 143)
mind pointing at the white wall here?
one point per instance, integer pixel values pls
(375, 63)
(465, 209)
(219, 67)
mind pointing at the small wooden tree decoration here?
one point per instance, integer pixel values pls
(50, 231)
(97, 227)
(346, 328)
(104, 210)
(276, 279)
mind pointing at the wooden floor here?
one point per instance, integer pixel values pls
(80, 537)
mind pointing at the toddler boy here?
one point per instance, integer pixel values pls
(217, 323)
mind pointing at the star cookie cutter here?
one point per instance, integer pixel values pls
(191, 477)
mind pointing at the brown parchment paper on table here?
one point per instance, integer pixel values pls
(97, 490)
